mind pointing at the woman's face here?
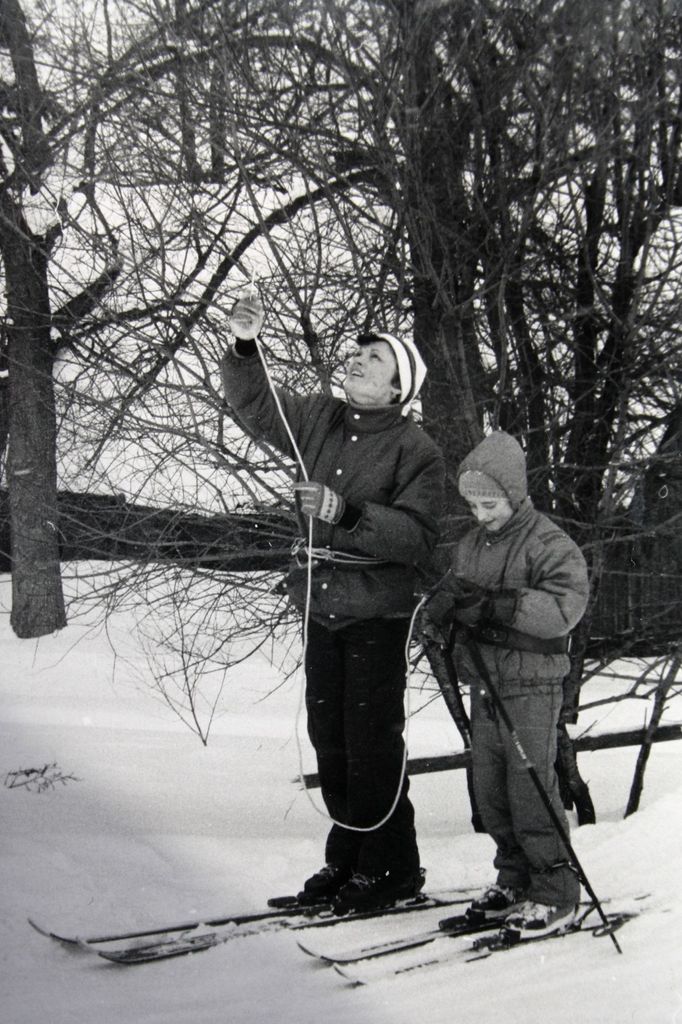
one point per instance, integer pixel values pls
(370, 375)
(492, 513)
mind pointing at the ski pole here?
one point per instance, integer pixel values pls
(482, 670)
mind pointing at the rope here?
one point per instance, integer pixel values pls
(327, 555)
(311, 554)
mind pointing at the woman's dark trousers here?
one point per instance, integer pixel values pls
(355, 685)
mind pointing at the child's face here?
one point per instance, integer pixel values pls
(492, 513)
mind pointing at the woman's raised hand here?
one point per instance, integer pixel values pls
(246, 318)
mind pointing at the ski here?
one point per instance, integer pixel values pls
(441, 953)
(191, 938)
(196, 942)
(165, 949)
(449, 927)
(457, 926)
(282, 911)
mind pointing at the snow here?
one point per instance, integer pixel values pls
(153, 827)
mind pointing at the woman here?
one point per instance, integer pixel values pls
(373, 487)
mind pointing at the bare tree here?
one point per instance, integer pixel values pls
(37, 598)
(500, 181)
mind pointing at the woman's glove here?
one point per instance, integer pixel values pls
(246, 318)
(319, 501)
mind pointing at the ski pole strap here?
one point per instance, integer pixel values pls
(505, 636)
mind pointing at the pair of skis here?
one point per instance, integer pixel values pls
(383, 960)
(179, 939)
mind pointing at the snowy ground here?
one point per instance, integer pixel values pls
(156, 827)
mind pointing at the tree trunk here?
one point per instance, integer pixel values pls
(574, 790)
(443, 668)
(659, 706)
(37, 598)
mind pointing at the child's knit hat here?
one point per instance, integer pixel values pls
(496, 468)
(475, 484)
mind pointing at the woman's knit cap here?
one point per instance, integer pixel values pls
(411, 366)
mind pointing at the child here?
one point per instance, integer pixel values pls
(520, 584)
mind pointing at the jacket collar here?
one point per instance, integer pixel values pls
(372, 421)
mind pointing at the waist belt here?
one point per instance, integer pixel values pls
(504, 636)
(345, 559)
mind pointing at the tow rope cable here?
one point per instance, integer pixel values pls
(310, 558)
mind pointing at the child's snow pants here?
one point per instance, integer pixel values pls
(530, 854)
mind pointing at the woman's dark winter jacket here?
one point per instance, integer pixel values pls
(382, 463)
